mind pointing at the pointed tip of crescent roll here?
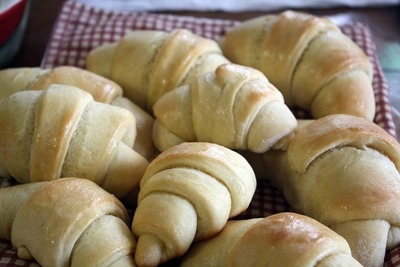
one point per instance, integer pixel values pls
(149, 250)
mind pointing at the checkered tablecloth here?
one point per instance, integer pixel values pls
(79, 28)
(230, 5)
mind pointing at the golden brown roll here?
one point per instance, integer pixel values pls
(188, 193)
(103, 90)
(234, 106)
(283, 239)
(308, 58)
(343, 171)
(61, 132)
(67, 222)
(147, 64)
(13, 80)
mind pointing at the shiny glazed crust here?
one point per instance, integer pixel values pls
(308, 58)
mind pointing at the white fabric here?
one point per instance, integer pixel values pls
(5, 5)
(228, 5)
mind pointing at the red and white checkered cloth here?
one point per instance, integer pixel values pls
(80, 28)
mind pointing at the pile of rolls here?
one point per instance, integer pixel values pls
(148, 155)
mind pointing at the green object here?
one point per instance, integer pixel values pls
(390, 56)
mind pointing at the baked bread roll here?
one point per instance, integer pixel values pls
(61, 132)
(343, 171)
(103, 90)
(308, 58)
(188, 193)
(66, 222)
(234, 106)
(13, 80)
(144, 144)
(147, 64)
(283, 239)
